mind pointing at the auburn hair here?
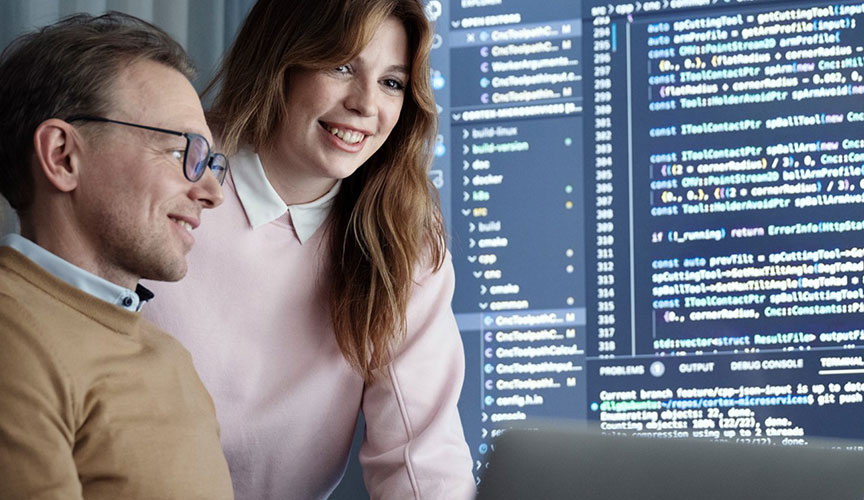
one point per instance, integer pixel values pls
(385, 223)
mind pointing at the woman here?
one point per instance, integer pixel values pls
(322, 286)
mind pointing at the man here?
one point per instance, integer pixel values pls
(104, 154)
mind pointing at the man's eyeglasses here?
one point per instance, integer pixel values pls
(196, 157)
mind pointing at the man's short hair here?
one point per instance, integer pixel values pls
(67, 69)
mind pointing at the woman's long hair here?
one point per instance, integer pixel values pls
(385, 222)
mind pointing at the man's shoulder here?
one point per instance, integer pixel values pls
(17, 294)
(16, 272)
(19, 289)
(36, 315)
(29, 349)
(23, 307)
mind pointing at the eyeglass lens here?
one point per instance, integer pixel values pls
(196, 157)
(219, 167)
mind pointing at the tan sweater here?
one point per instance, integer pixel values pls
(95, 401)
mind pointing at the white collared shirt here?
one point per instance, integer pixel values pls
(85, 281)
(263, 204)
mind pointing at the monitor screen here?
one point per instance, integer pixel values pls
(657, 214)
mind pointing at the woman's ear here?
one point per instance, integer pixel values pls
(56, 144)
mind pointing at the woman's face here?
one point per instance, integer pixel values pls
(337, 118)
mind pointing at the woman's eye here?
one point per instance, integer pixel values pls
(394, 84)
(177, 155)
(344, 69)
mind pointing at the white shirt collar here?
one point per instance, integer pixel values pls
(263, 205)
(83, 280)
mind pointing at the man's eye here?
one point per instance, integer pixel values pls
(177, 154)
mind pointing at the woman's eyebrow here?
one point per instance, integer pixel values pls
(400, 68)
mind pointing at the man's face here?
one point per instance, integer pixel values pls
(135, 208)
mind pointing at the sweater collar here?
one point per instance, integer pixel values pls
(79, 278)
(263, 205)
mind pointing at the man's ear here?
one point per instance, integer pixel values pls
(57, 146)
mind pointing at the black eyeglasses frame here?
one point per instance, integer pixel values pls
(219, 169)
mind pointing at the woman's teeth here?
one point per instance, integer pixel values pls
(348, 136)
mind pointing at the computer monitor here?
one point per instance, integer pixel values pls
(657, 214)
(566, 462)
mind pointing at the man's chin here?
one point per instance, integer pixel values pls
(175, 272)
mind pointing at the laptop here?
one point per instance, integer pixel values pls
(578, 463)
